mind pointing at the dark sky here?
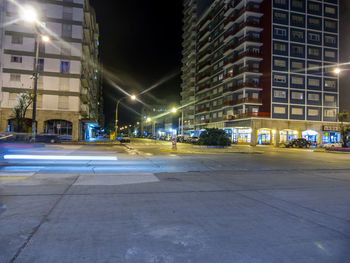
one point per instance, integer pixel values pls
(140, 44)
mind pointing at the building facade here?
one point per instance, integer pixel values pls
(265, 70)
(69, 86)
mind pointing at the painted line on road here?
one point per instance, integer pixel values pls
(13, 178)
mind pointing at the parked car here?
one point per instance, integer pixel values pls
(332, 145)
(45, 138)
(300, 143)
(124, 139)
(193, 139)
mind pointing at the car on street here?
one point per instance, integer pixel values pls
(45, 138)
(124, 139)
(332, 145)
(298, 143)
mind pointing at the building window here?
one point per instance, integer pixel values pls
(297, 20)
(313, 97)
(17, 39)
(330, 11)
(314, 52)
(40, 64)
(297, 81)
(313, 112)
(15, 77)
(279, 16)
(297, 95)
(67, 13)
(297, 111)
(314, 82)
(297, 51)
(16, 59)
(67, 30)
(280, 63)
(279, 110)
(329, 98)
(297, 65)
(281, 94)
(332, 84)
(314, 8)
(65, 67)
(330, 26)
(314, 37)
(298, 5)
(330, 113)
(330, 40)
(280, 32)
(297, 35)
(280, 47)
(314, 22)
(280, 78)
(330, 54)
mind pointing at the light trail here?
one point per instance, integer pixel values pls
(59, 157)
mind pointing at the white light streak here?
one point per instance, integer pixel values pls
(59, 157)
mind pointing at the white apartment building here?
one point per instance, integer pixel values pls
(69, 86)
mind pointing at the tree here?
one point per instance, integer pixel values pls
(19, 112)
(214, 137)
(342, 116)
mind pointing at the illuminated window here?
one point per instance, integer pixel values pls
(279, 110)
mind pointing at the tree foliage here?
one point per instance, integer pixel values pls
(344, 129)
(214, 137)
(19, 111)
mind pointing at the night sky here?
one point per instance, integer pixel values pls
(140, 44)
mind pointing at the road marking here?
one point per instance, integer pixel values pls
(14, 176)
(118, 179)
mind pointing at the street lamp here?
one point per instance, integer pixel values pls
(337, 70)
(29, 14)
(174, 110)
(132, 97)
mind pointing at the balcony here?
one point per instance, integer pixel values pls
(203, 121)
(246, 115)
(203, 109)
(243, 100)
(242, 85)
(237, 43)
(247, 69)
(233, 18)
(200, 88)
(203, 76)
(230, 6)
(247, 53)
(234, 31)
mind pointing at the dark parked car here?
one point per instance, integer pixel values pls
(124, 139)
(300, 143)
(46, 138)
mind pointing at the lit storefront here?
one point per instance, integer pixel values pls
(310, 135)
(242, 135)
(265, 137)
(288, 135)
(330, 134)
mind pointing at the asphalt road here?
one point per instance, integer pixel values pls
(155, 205)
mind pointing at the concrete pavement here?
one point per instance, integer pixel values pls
(274, 206)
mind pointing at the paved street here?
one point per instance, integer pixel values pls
(152, 204)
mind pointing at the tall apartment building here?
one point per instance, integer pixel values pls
(265, 70)
(69, 85)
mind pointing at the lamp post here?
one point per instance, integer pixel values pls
(29, 14)
(174, 110)
(132, 97)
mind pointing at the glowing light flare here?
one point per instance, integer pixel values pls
(173, 110)
(29, 14)
(337, 70)
(133, 97)
(59, 157)
(45, 38)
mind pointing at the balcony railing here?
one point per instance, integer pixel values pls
(203, 121)
(241, 26)
(239, 86)
(239, 42)
(246, 115)
(200, 88)
(241, 70)
(203, 109)
(235, 17)
(247, 53)
(242, 100)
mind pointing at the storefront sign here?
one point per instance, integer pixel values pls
(330, 128)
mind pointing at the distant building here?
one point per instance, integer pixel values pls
(263, 70)
(69, 85)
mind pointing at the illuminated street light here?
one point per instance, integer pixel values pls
(173, 110)
(337, 70)
(29, 14)
(45, 38)
(148, 119)
(133, 97)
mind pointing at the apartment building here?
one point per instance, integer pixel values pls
(69, 86)
(265, 70)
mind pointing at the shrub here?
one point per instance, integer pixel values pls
(214, 137)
